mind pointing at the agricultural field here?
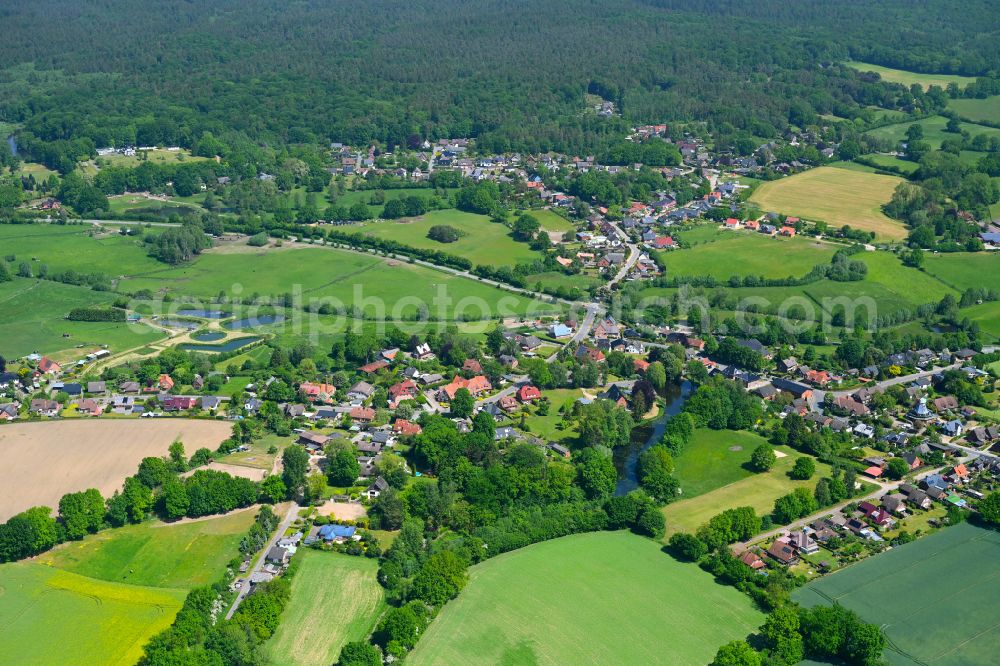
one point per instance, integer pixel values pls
(384, 288)
(335, 599)
(835, 196)
(909, 78)
(962, 270)
(76, 247)
(49, 616)
(987, 315)
(748, 253)
(484, 242)
(978, 110)
(934, 131)
(32, 318)
(757, 490)
(715, 458)
(556, 280)
(570, 600)
(185, 555)
(43, 461)
(934, 597)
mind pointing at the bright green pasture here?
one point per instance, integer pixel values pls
(48, 616)
(978, 109)
(32, 318)
(709, 461)
(935, 598)
(748, 253)
(963, 270)
(75, 247)
(484, 242)
(598, 598)
(909, 78)
(185, 555)
(551, 221)
(335, 599)
(934, 130)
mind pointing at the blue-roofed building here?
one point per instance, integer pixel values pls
(560, 330)
(935, 481)
(335, 532)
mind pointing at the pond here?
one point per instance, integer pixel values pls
(176, 323)
(208, 336)
(627, 457)
(231, 345)
(204, 314)
(252, 322)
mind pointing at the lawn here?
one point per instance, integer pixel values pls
(710, 461)
(551, 221)
(987, 315)
(548, 427)
(335, 599)
(748, 253)
(599, 598)
(963, 270)
(484, 242)
(32, 318)
(383, 288)
(757, 490)
(935, 598)
(934, 131)
(185, 555)
(915, 286)
(978, 109)
(48, 616)
(835, 196)
(909, 78)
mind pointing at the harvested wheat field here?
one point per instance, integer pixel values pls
(40, 462)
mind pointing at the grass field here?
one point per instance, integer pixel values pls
(335, 599)
(547, 427)
(756, 490)
(552, 221)
(135, 203)
(155, 554)
(600, 598)
(43, 461)
(963, 270)
(977, 109)
(709, 462)
(383, 288)
(909, 78)
(156, 156)
(48, 616)
(748, 253)
(893, 162)
(32, 318)
(987, 315)
(76, 247)
(484, 242)
(935, 598)
(835, 196)
(934, 131)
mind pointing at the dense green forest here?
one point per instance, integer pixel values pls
(236, 76)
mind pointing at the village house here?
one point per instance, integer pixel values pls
(47, 366)
(362, 414)
(476, 386)
(44, 407)
(527, 394)
(323, 393)
(8, 411)
(405, 428)
(361, 391)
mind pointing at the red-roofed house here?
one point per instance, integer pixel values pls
(373, 367)
(787, 231)
(752, 560)
(873, 472)
(475, 385)
(404, 390)
(48, 366)
(732, 223)
(528, 393)
(641, 365)
(406, 428)
(363, 414)
(818, 377)
(508, 403)
(318, 392)
(165, 382)
(753, 225)
(663, 242)
(472, 365)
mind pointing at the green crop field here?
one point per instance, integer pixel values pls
(484, 242)
(32, 318)
(934, 131)
(600, 598)
(383, 288)
(97, 601)
(835, 196)
(962, 270)
(156, 554)
(335, 599)
(709, 461)
(48, 616)
(747, 253)
(756, 490)
(935, 598)
(977, 109)
(909, 78)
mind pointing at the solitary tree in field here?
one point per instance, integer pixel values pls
(763, 458)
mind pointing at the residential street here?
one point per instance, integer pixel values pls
(906, 379)
(293, 512)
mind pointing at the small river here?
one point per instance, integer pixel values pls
(13, 144)
(627, 458)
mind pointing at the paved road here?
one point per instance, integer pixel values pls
(293, 511)
(510, 390)
(633, 257)
(432, 401)
(885, 487)
(582, 331)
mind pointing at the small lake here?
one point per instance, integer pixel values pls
(204, 314)
(231, 345)
(253, 322)
(627, 457)
(208, 336)
(175, 323)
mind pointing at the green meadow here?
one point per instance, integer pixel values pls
(934, 131)
(715, 458)
(75, 247)
(551, 221)
(906, 78)
(977, 110)
(484, 242)
(598, 598)
(743, 253)
(962, 270)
